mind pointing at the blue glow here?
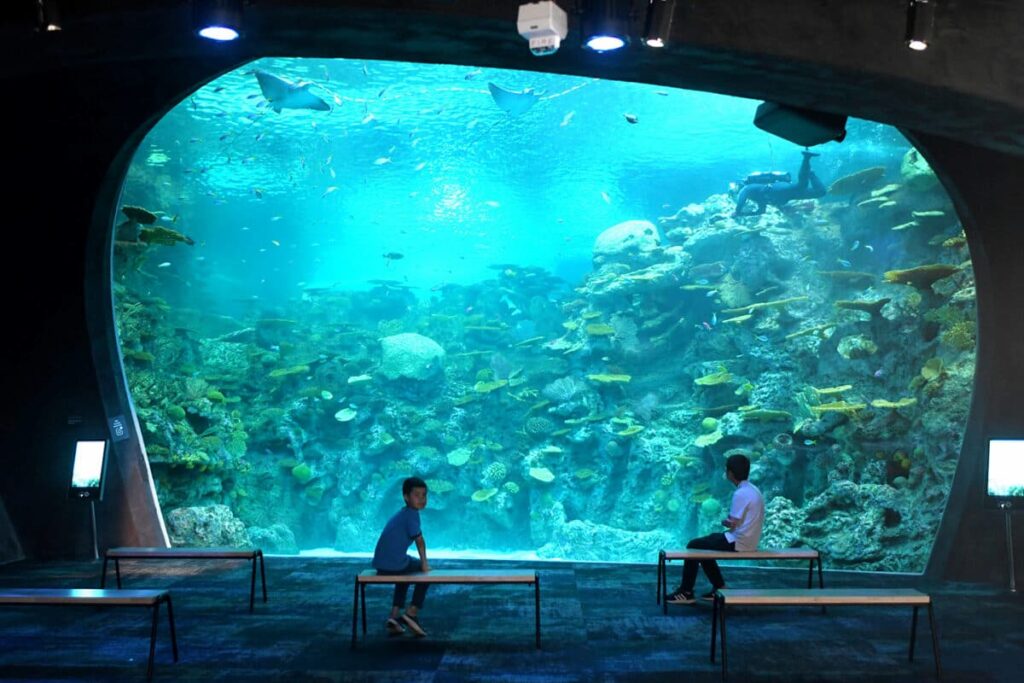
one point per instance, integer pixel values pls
(605, 43)
(221, 33)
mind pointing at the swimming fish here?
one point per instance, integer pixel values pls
(844, 263)
(165, 264)
(394, 256)
(329, 190)
(283, 94)
(473, 74)
(607, 199)
(567, 118)
(420, 166)
(381, 161)
(368, 118)
(632, 118)
(856, 245)
(511, 102)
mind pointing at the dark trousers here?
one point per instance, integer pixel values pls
(716, 541)
(419, 592)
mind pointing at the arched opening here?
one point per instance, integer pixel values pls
(531, 291)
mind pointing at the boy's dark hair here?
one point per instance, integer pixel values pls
(412, 483)
(739, 465)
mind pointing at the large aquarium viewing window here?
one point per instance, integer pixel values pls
(535, 292)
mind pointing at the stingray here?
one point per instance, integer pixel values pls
(515, 103)
(283, 94)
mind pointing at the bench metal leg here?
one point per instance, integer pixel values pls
(355, 609)
(721, 622)
(935, 642)
(913, 633)
(821, 580)
(170, 622)
(714, 625)
(362, 601)
(536, 605)
(103, 576)
(117, 571)
(661, 574)
(152, 640)
(252, 585)
(664, 586)
(263, 576)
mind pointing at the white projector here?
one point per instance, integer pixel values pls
(544, 24)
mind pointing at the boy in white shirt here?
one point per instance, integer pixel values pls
(746, 516)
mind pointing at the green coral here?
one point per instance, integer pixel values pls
(440, 485)
(176, 412)
(708, 439)
(961, 336)
(766, 415)
(483, 494)
(488, 387)
(139, 356)
(600, 330)
(215, 396)
(302, 473)
(609, 378)
(723, 376)
(709, 424)
(511, 487)
(542, 474)
(287, 372)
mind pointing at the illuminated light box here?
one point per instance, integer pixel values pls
(89, 469)
(1005, 468)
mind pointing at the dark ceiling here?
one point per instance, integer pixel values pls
(835, 55)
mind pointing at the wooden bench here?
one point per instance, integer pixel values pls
(251, 554)
(99, 598)
(811, 555)
(466, 576)
(885, 597)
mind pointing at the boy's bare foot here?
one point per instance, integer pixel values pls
(394, 627)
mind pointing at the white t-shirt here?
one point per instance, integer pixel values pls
(747, 507)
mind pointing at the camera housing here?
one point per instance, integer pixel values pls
(544, 24)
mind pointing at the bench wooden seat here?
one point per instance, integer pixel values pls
(811, 555)
(250, 554)
(446, 576)
(885, 597)
(99, 598)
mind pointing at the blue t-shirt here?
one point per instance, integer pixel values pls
(401, 530)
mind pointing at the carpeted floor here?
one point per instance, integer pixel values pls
(599, 623)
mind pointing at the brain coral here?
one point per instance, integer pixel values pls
(494, 473)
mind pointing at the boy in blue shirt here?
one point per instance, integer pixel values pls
(390, 557)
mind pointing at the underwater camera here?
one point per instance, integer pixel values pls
(544, 24)
(805, 127)
(1005, 477)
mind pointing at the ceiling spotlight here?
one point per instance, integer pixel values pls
(219, 20)
(605, 26)
(544, 24)
(47, 17)
(659, 22)
(920, 24)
